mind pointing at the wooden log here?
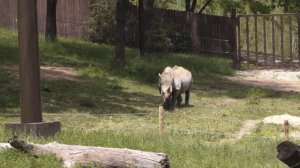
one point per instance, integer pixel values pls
(289, 153)
(85, 155)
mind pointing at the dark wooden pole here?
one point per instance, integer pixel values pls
(282, 39)
(299, 39)
(121, 15)
(256, 40)
(51, 30)
(233, 38)
(29, 61)
(273, 41)
(265, 40)
(141, 27)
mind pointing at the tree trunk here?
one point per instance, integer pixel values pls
(194, 32)
(51, 31)
(141, 27)
(121, 15)
(85, 155)
(148, 18)
(187, 5)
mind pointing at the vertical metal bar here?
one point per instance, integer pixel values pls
(298, 39)
(29, 61)
(273, 39)
(256, 45)
(291, 39)
(281, 39)
(239, 39)
(265, 40)
(247, 39)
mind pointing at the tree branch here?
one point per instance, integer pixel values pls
(205, 5)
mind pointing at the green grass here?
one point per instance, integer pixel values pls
(117, 107)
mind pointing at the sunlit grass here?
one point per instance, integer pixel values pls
(117, 107)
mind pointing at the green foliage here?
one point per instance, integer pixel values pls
(255, 95)
(102, 21)
(158, 39)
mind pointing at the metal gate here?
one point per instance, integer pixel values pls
(269, 40)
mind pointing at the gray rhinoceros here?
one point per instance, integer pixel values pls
(172, 83)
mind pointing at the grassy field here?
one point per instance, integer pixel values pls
(119, 107)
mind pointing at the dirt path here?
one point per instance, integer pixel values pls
(247, 127)
(51, 73)
(280, 80)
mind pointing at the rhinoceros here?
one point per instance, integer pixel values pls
(172, 83)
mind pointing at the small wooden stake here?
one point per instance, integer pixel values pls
(286, 130)
(161, 120)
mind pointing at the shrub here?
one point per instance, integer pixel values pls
(158, 38)
(102, 21)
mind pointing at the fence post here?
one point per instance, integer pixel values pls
(286, 130)
(232, 39)
(161, 120)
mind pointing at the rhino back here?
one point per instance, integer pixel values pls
(182, 79)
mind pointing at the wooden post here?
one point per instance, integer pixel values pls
(247, 40)
(299, 39)
(282, 38)
(265, 40)
(273, 41)
(233, 38)
(256, 40)
(161, 120)
(141, 27)
(29, 62)
(286, 130)
(291, 39)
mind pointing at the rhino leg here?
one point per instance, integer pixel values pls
(175, 95)
(187, 97)
(179, 100)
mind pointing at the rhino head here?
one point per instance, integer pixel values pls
(165, 86)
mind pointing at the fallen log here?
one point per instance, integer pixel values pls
(85, 155)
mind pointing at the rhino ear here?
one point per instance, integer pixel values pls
(159, 75)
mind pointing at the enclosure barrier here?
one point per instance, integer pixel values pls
(269, 40)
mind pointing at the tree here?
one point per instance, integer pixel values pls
(141, 27)
(121, 15)
(145, 18)
(51, 31)
(289, 6)
(191, 19)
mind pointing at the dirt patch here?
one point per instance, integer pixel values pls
(280, 80)
(247, 127)
(51, 73)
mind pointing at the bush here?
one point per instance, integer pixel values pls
(102, 22)
(158, 39)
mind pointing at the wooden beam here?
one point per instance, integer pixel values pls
(85, 155)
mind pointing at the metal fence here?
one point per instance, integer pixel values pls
(269, 40)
